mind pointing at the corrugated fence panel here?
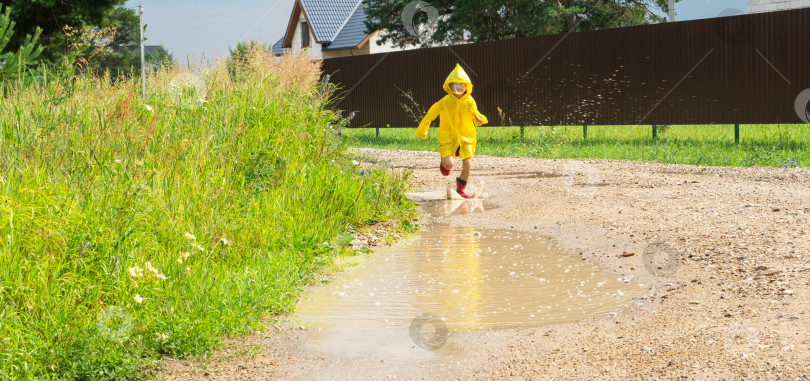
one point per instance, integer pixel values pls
(744, 69)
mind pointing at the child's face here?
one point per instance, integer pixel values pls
(458, 88)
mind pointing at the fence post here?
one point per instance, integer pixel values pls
(378, 132)
(737, 133)
(585, 131)
(655, 132)
(521, 132)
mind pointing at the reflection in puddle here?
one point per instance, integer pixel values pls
(457, 207)
(471, 278)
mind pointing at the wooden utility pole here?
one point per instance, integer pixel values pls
(671, 10)
(143, 61)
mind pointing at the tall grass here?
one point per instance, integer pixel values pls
(760, 145)
(128, 234)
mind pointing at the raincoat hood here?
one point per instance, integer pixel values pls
(460, 76)
(459, 118)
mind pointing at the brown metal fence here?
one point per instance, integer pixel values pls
(745, 69)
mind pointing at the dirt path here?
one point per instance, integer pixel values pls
(726, 250)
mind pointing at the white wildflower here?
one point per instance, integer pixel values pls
(148, 107)
(138, 299)
(224, 241)
(135, 272)
(161, 336)
(198, 247)
(155, 271)
(118, 161)
(355, 162)
(203, 100)
(190, 236)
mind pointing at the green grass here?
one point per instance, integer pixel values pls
(760, 145)
(100, 198)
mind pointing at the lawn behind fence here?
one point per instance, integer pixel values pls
(713, 145)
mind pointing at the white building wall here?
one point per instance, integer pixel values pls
(344, 53)
(314, 47)
(384, 48)
(759, 6)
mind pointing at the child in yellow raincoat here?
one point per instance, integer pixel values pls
(459, 118)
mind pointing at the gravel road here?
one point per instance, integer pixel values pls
(725, 250)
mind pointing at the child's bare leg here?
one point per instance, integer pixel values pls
(461, 181)
(466, 165)
(446, 165)
(447, 162)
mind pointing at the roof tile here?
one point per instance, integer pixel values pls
(327, 17)
(352, 34)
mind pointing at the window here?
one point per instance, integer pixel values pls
(304, 35)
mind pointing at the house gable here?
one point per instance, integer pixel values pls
(329, 21)
(292, 25)
(328, 16)
(336, 26)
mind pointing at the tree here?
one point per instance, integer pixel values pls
(52, 16)
(13, 64)
(123, 57)
(159, 57)
(242, 56)
(487, 20)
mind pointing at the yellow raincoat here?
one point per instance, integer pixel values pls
(457, 124)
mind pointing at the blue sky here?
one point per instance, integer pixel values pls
(190, 28)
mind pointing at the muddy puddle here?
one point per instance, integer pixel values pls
(450, 279)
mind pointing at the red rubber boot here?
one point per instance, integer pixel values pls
(445, 171)
(460, 185)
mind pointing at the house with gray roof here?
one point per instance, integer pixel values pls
(760, 6)
(328, 29)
